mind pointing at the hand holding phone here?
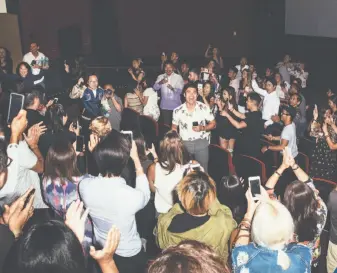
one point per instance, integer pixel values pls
(255, 186)
(32, 192)
(128, 135)
(15, 105)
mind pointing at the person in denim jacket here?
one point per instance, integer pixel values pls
(271, 231)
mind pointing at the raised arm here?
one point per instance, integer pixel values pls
(257, 89)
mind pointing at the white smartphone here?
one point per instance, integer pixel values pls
(128, 134)
(195, 167)
(199, 87)
(15, 105)
(254, 185)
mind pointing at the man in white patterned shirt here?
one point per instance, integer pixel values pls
(195, 121)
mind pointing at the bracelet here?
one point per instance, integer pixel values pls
(267, 188)
(276, 172)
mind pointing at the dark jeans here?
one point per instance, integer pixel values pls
(135, 264)
(166, 116)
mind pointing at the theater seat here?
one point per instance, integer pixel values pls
(324, 187)
(247, 166)
(149, 129)
(130, 120)
(270, 159)
(303, 161)
(220, 163)
(306, 145)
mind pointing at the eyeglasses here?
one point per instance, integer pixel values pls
(9, 161)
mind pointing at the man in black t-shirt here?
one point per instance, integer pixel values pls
(251, 124)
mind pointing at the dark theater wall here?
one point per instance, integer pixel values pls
(42, 19)
(154, 26)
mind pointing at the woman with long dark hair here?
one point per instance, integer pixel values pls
(6, 62)
(226, 131)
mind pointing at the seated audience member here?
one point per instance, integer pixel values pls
(25, 162)
(134, 99)
(112, 106)
(225, 129)
(108, 199)
(150, 101)
(195, 121)
(270, 229)
(199, 216)
(56, 120)
(288, 135)
(170, 86)
(331, 259)
(32, 105)
(165, 174)
(55, 246)
(231, 193)
(251, 123)
(308, 210)
(271, 102)
(190, 256)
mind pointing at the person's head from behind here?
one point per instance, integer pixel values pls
(253, 101)
(333, 103)
(172, 151)
(270, 84)
(93, 82)
(55, 118)
(231, 192)
(193, 75)
(188, 256)
(23, 69)
(233, 71)
(191, 93)
(47, 247)
(243, 61)
(34, 48)
(61, 161)
(300, 200)
(112, 154)
(33, 100)
(4, 163)
(273, 228)
(196, 192)
(141, 146)
(295, 100)
(100, 126)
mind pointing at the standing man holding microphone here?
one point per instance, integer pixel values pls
(170, 85)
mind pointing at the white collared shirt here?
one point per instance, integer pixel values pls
(271, 103)
(238, 67)
(29, 57)
(184, 119)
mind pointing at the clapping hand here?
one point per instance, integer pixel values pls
(315, 113)
(75, 219)
(93, 142)
(19, 123)
(130, 71)
(17, 215)
(34, 134)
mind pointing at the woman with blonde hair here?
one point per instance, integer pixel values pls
(199, 216)
(167, 172)
(100, 126)
(271, 231)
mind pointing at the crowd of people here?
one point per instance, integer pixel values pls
(79, 194)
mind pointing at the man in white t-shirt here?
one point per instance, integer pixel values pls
(24, 163)
(37, 60)
(195, 121)
(288, 135)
